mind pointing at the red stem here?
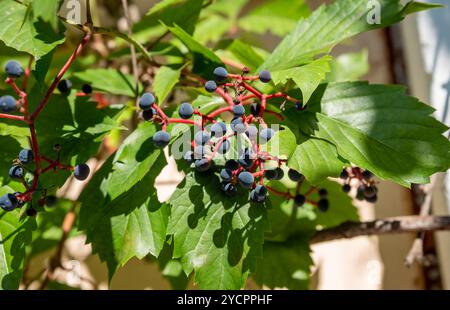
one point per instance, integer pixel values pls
(183, 121)
(252, 90)
(60, 75)
(14, 117)
(225, 96)
(220, 111)
(27, 74)
(281, 95)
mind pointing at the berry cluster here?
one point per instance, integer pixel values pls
(365, 182)
(29, 164)
(246, 108)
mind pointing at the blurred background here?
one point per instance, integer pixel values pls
(415, 53)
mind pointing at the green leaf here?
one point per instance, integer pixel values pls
(246, 54)
(204, 59)
(109, 81)
(285, 265)
(165, 81)
(172, 12)
(47, 10)
(135, 157)
(349, 67)
(15, 235)
(307, 77)
(276, 16)
(316, 159)
(379, 128)
(132, 225)
(203, 33)
(328, 26)
(217, 237)
(19, 30)
(287, 220)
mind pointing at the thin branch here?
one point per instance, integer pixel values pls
(132, 47)
(396, 225)
(88, 13)
(415, 254)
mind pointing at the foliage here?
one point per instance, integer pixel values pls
(199, 231)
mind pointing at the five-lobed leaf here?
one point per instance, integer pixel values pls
(379, 128)
(218, 237)
(330, 25)
(21, 31)
(132, 225)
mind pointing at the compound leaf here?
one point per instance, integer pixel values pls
(379, 128)
(218, 237)
(21, 31)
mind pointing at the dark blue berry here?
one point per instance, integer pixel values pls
(252, 132)
(199, 152)
(246, 179)
(161, 139)
(8, 104)
(226, 174)
(238, 110)
(257, 198)
(266, 134)
(210, 86)
(26, 156)
(224, 147)
(344, 174)
(232, 165)
(346, 188)
(296, 176)
(148, 114)
(264, 76)
(323, 193)
(370, 192)
(323, 205)
(189, 157)
(87, 89)
(218, 130)
(246, 158)
(51, 200)
(146, 101)
(220, 74)
(360, 192)
(14, 69)
(8, 202)
(202, 137)
(81, 172)
(65, 86)
(260, 190)
(229, 189)
(271, 174)
(299, 200)
(16, 172)
(255, 108)
(186, 110)
(202, 165)
(31, 212)
(299, 105)
(367, 175)
(280, 174)
(373, 199)
(237, 125)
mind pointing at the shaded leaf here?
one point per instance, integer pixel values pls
(217, 237)
(19, 30)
